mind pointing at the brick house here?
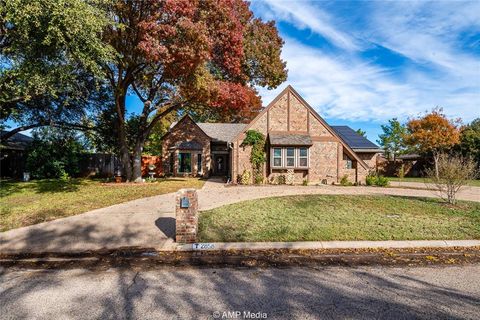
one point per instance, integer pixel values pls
(296, 138)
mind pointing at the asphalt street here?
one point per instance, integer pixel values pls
(253, 293)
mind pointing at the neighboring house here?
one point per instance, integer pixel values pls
(13, 155)
(296, 138)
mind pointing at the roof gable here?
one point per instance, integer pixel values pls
(289, 90)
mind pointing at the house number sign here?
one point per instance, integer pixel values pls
(184, 202)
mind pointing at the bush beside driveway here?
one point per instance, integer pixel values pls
(340, 217)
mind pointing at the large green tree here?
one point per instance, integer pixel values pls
(176, 54)
(470, 140)
(50, 55)
(392, 139)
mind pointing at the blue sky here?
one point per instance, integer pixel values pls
(361, 63)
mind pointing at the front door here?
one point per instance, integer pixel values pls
(220, 164)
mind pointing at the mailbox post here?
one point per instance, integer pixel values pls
(186, 217)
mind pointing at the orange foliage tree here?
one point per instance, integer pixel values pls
(433, 133)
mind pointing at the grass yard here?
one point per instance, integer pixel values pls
(339, 217)
(27, 203)
(473, 183)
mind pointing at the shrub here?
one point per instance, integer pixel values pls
(246, 177)
(382, 181)
(290, 177)
(53, 154)
(374, 180)
(371, 180)
(258, 179)
(401, 171)
(451, 175)
(305, 182)
(344, 181)
(281, 179)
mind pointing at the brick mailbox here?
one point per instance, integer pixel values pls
(186, 216)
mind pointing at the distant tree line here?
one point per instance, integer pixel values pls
(431, 135)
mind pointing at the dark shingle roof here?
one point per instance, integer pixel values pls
(353, 139)
(288, 139)
(222, 131)
(18, 141)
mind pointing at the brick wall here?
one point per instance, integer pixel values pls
(156, 161)
(186, 130)
(186, 219)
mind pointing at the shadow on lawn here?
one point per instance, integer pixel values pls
(9, 187)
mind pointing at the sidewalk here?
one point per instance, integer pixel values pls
(309, 245)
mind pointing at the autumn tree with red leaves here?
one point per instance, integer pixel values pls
(175, 54)
(433, 133)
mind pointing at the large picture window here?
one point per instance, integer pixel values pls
(289, 157)
(184, 162)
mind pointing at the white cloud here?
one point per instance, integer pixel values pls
(441, 71)
(304, 15)
(352, 90)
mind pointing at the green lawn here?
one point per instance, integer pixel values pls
(27, 203)
(339, 217)
(474, 183)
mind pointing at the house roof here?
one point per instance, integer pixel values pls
(355, 141)
(18, 141)
(289, 90)
(221, 131)
(288, 139)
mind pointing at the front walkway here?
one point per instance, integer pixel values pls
(150, 222)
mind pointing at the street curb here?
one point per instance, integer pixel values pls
(308, 245)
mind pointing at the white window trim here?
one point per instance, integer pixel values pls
(283, 158)
(287, 157)
(273, 157)
(307, 157)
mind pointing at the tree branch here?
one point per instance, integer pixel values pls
(7, 135)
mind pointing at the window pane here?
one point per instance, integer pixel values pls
(199, 162)
(185, 162)
(303, 162)
(290, 162)
(290, 152)
(277, 152)
(277, 162)
(303, 152)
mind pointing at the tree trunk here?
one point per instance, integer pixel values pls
(122, 137)
(436, 155)
(137, 163)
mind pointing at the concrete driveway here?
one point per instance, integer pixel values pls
(150, 223)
